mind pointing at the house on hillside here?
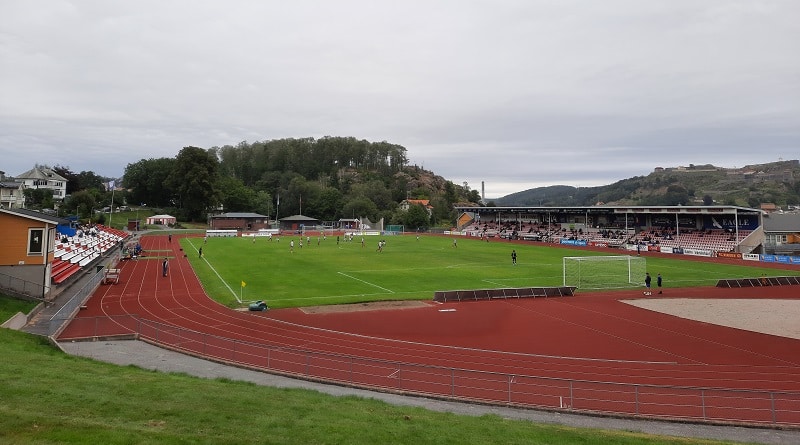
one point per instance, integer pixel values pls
(29, 240)
(11, 194)
(407, 203)
(41, 177)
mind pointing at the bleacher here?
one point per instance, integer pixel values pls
(74, 253)
(716, 240)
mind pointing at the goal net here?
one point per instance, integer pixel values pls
(604, 272)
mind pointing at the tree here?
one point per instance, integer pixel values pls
(329, 204)
(39, 198)
(147, 183)
(193, 178)
(235, 196)
(417, 217)
(443, 212)
(359, 207)
(82, 202)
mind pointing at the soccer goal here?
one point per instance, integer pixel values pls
(604, 272)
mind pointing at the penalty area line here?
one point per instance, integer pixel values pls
(366, 282)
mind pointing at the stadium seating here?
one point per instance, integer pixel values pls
(75, 253)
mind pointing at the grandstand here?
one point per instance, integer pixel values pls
(671, 229)
(74, 253)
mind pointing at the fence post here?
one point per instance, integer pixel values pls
(772, 406)
(571, 395)
(703, 402)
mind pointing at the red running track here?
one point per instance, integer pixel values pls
(591, 352)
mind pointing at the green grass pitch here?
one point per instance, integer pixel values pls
(324, 272)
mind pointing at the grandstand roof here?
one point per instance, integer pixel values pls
(615, 209)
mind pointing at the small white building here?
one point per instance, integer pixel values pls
(161, 220)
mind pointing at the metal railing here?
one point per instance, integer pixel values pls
(59, 320)
(717, 405)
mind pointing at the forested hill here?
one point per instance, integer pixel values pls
(328, 179)
(749, 186)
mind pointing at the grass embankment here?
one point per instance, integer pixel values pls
(47, 397)
(326, 272)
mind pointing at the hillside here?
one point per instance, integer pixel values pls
(749, 186)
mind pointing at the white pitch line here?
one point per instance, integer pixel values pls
(366, 282)
(217, 274)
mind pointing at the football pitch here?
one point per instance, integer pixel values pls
(324, 271)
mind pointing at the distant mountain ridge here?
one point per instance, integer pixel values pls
(749, 186)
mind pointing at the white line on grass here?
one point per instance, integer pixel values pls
(216, 273)
(366, 282)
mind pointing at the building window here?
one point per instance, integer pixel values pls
(35, 242)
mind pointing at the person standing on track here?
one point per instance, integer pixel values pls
(647, 280)
(165, 266)
(658, 282)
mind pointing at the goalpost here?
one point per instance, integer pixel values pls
(604, 272)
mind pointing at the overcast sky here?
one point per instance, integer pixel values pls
(518, 94)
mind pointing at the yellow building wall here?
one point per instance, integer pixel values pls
(14, 250)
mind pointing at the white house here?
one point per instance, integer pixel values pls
(42, 177)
